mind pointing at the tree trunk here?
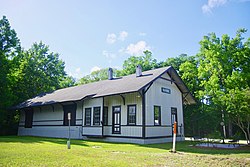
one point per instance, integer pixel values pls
(240, 124)
(244, 131)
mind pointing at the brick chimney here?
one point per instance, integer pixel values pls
(110, 74)
(138, 71)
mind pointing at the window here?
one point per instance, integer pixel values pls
(87, 116)
(69, 109)
(157, 115)
(105, 116)
(96, 116)
(28, 118)
(131, 114)
(174, 117)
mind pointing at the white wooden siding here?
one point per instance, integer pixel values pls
(51, 131)
(155, 96)
(46, 116)
(49, 123)
(92, 130)
(130, 99)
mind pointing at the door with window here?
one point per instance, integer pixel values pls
(174, 118)
(116, 120)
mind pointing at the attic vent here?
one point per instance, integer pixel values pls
(110, 74)
(138, 71)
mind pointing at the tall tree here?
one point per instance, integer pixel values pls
(224, 66)
(176, 62)
(38, 71)
(9, 48)
(147, 62)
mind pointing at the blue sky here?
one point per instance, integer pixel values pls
(93, 34)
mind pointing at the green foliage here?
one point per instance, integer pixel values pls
(67, 81)
(238, 108)
(98, 75)
(214, 135)
(176, 62)
(43, 71)
(147, 63)
(224, 74)
(24, 74)
(9, 47)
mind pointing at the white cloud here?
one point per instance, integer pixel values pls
(138, 48)
(142, 34)
(95, 68)
(111, 38)
(207, 8)
(109, 55)
(123, 35)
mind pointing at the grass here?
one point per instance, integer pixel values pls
(37, 151)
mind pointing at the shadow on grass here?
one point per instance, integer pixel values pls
(185, 146)
(31, 139)
(189, 147)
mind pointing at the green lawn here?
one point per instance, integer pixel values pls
(36, 151)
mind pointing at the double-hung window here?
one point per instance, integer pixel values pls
(87, 116)
(96, 116)
(157, 115)
(131, 114)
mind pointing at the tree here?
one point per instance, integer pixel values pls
(176, 62)
(9, 48)
(147, 62)
(68, 81)
(224, 67)
(238, 107)
(98, 75)
(25, 74)
(43, 71)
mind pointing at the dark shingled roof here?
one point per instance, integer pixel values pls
(121, 85)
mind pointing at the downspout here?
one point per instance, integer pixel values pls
(143, 115)
(82, 118)
(102, 115)
(182, 130)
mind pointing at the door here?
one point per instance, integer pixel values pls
(174, 118)
(28, 117)
(116, 120)
(69, 109)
